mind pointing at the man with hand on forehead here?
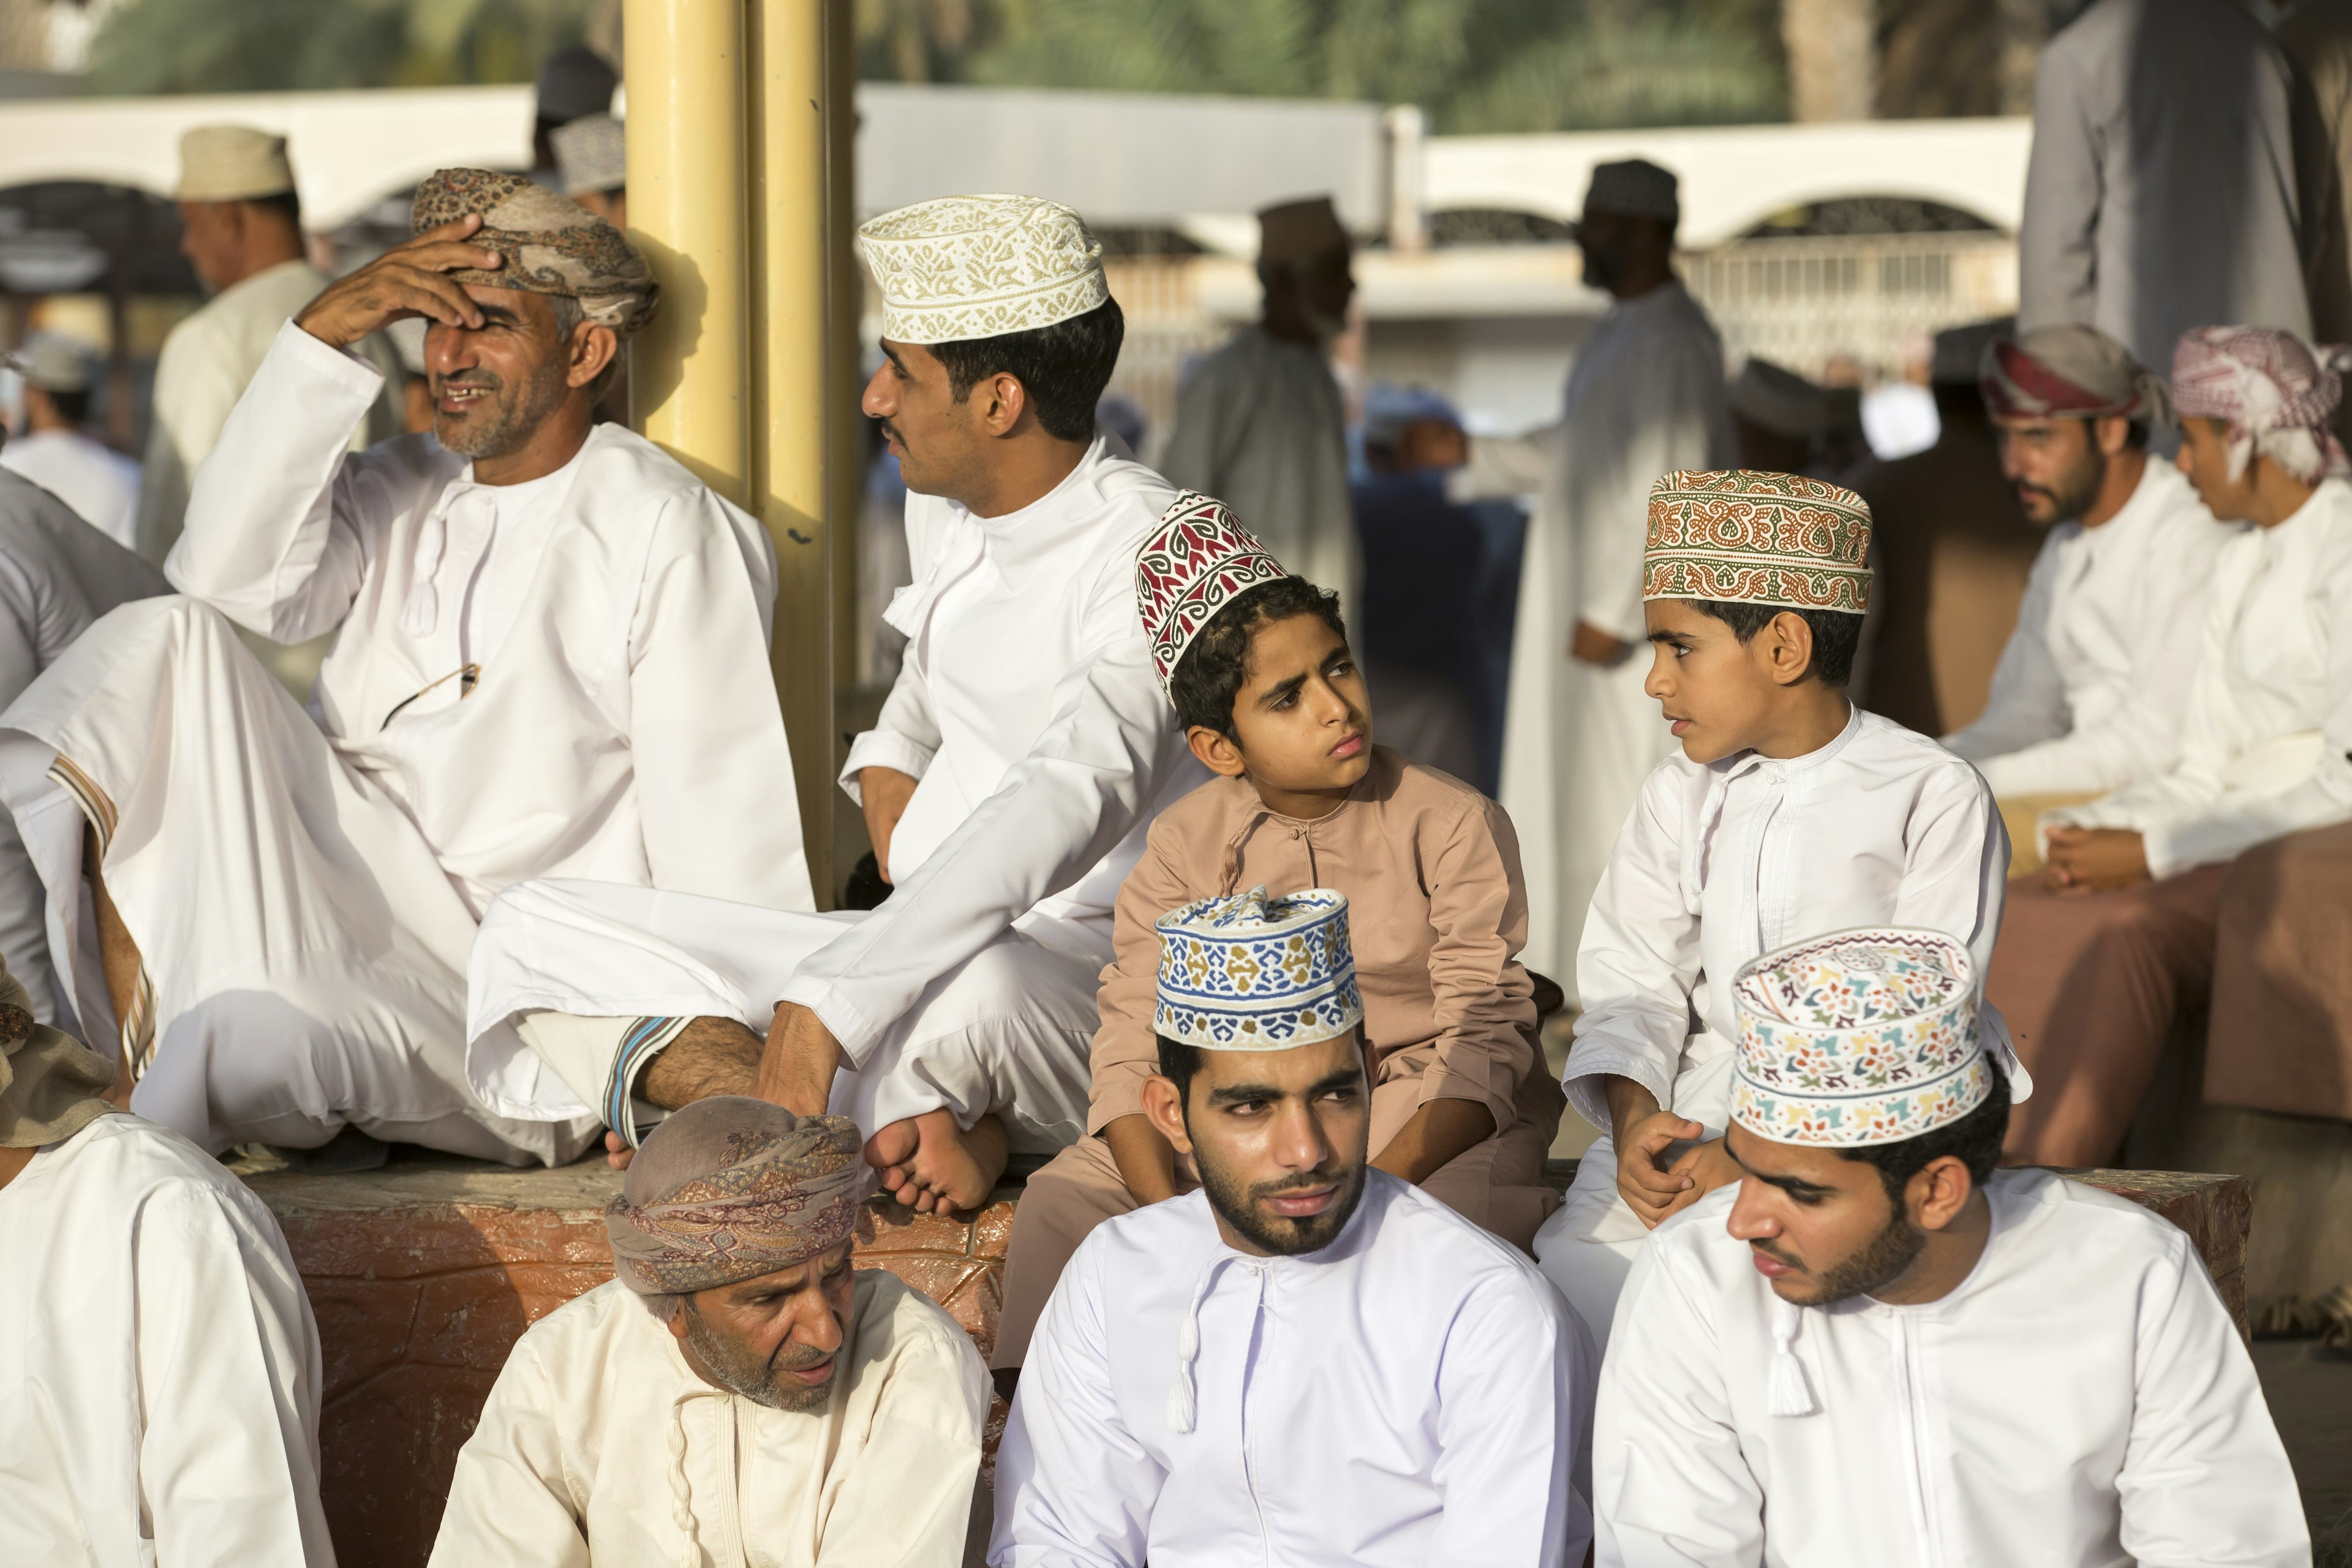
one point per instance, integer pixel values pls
(738, 1388)
(1878, 1348)
(1307, 1360)
(2089, 692)
(551, 657)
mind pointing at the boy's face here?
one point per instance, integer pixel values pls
(2204, 457)
(1301, 718)
(1719, 693)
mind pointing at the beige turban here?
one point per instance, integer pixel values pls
(1300, 231)
(232, 163)
(731, 1188)
(551, 245)
(51, 1085)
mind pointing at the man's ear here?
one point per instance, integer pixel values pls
(1165, 1107)
(2110, 435)
(1217, 752)
(676, 1324)
(590, 349)
(1937, 1191)
(1005, 401)
(1791, 647)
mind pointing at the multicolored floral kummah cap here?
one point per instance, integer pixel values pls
(1757, 538)
(1858, 1037)
(1198, 560)
(1251, 973)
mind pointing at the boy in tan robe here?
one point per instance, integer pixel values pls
(1257, 665)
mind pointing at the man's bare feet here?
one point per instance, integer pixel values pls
(617, 1152)
(933, 1166)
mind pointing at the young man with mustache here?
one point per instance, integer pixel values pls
(1307, 1361)
(1878, 1348)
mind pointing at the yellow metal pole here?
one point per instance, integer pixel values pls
(794, 94)
(846, 289)
(688, 371)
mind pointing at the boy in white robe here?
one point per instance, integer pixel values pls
(158, 1388)
(738, 1389)
(551, 657)
(2089, 691)
(1306, 1361)
(1007, 785)
(1877, 1348)
(1786, 812)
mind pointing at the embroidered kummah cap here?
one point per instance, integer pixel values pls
(1251, 973)
(1300, 231)
(551, 246)
(979, 267)
(731, 1188)
(1858, 1037)
(1198, 560)
(1636, 187)
(1757, 538)
(232, 163)
(591, 155)
(2071, 372)
(2275, 392)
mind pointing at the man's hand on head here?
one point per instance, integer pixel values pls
(883, 793)
(801, 1055)
(410, 279)
(2094, 860)
(1590, 645)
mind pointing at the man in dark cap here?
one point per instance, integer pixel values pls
(574, 82)
(738, 1382)
(551, 660)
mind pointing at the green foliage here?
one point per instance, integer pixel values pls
(263, 45)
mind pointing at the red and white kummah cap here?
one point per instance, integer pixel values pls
(1198, 560)
(2276, 392)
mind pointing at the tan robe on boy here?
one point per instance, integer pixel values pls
(1437, 912)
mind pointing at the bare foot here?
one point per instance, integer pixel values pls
(617, 1154)
(948, 1168)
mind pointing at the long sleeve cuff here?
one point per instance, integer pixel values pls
(1443, 1082)
(883, 749)
(1588, 1068)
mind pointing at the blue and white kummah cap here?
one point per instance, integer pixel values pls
(1248, 972)
(1858, 1037)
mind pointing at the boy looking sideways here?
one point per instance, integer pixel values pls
(1789, 813)
(1257, 665)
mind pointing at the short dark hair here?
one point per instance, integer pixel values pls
(285, 204)
(1062, 368)
(1209, 677)
(1177, 1064)
(1975, 1140)
(1837, 634)
(73, 408)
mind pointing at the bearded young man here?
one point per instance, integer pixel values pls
(1307, 1360)
(738, 1388)
(1877, 1348)
(2090, 691)
(551, 657)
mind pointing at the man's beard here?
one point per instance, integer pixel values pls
(1603, 266)
(1272, 1232)
(743, 1371)
(505, 419)
(2073, 493)
(1869, 1266)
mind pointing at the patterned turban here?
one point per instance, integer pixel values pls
(2276, 392)
(551, 246)
(2071, 373)
(1756, 538)
(731, 1188)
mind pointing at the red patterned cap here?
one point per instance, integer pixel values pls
(1198, 560)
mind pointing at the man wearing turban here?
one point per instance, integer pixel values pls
(159, 1394)
(551, 660)
(738, 1388)
(2096, 958)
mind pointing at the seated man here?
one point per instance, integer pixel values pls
(1877, 1348)
(159, 1396)
(1258, 667)
(1306, 1361)
(736, 1384)
(1007, 786)
(57, 576)
(2098, 956)
(550, 656)
(1787, 812)
(2088, 694)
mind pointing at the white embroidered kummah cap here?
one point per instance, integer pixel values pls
(1857, 1038)
(1198, 560)
(1301, 231)
(1635, 187)
(1248, 972)
(1754, 538)
(979, 267)
(591, 155)
(232, 163)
